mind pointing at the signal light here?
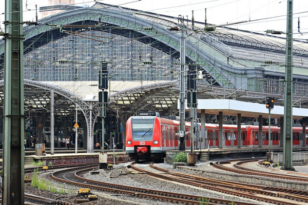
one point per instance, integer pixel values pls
(270, 103)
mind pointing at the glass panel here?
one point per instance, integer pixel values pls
(142, 129)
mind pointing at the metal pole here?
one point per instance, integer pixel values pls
(13, 143)
(90, 139)
(103, 121)
(288, 116)
(192, 20)
(182, 91)
(52, 122)
(113, 150)
(269, 131)
(76, 134)
(205, 18)
(191, 123)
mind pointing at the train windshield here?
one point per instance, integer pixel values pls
(142, 129)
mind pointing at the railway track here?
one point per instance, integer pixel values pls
(30, 199)
(260, 193)
(63, 176)
(243, 170)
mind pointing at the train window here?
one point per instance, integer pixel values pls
(233, 136)
(142, 129)
(256, 135)
(263, 136)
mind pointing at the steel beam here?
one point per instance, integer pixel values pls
(260, 138)
(52, 122)
(288, 102)
(220, 134)
(13, 149)
(239, 130)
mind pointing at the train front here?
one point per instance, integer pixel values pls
(142, 138)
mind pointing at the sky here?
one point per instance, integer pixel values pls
(219, 12)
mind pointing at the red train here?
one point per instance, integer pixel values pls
(149, 137)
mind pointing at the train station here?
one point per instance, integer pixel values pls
(126, 103)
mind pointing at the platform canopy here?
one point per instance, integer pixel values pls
(246, 109)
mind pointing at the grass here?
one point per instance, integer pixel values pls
(39, 163)
(53, 189)
(204, 201)
(35, 179)
(62, 191)
(46, 185)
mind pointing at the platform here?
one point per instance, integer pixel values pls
(76, 158)
(231, 152)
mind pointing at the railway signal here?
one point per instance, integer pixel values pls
(270, 103)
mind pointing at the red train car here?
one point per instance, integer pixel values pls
(149, 137)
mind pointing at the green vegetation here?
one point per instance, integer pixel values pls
(39, 163)
(50, 164)
(204, 201)
(35, 179)
(180, 157)
(53, 189)
(62, 191)
(277, 164)
(46, 185)
(42, 185)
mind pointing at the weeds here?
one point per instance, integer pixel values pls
(35, 179)
(39, 163)
(204, 201)
(62, 191)
(53, 189)
(42, 185)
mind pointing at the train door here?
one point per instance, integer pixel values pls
(296, 138)
(210, 138)
(234, 138)
(255, 138)
(171, 137)
(265, 140)
(227, 135)
(176, 137)
(245, 141)
(163, 140)
(167, 136)
(275, 138)
(187, 137)
(215, 138)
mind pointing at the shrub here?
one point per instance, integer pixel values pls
(180, 157)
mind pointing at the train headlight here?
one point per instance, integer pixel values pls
(129, 142)
(155, 142)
